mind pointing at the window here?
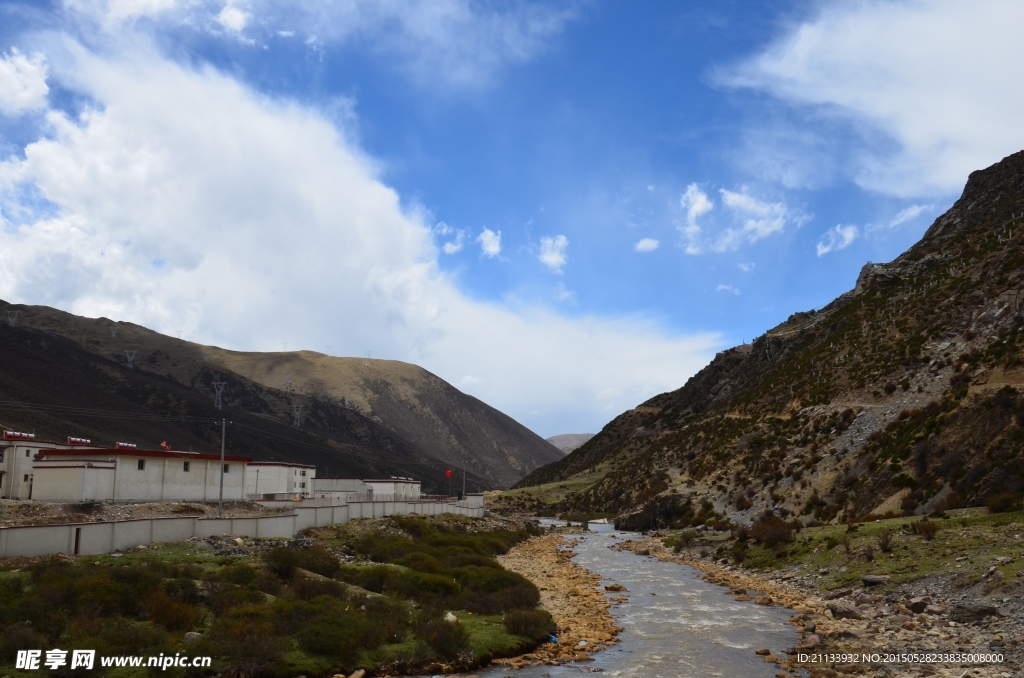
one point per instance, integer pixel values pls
(303, 475)
(226, 467)
(28, 453)
(303, 485)
(187, 466)
(142, 464)
(1, 456)
(25, 479)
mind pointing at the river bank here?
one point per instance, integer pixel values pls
(573, 596)
(856, 621)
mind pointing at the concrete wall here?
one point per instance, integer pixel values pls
(96, 538)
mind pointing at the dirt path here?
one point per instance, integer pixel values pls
(570, 593)
(859, 623)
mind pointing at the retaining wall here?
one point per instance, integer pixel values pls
(97, 538)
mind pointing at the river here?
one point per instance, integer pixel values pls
(674, 623)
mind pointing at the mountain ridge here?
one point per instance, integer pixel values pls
(905, 385)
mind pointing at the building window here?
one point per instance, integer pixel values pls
(28, 453)
(26, 478)
(1, 456)
(303, 485)
(187, 466)
(303, 475)
(142, 464)
(226, 467)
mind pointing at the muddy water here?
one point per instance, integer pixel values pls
(675, 624)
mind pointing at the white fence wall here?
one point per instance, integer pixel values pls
(97, 538)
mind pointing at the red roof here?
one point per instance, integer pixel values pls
(280, 463)
(111, 452)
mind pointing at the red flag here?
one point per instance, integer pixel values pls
(448, 473)
(165, 446)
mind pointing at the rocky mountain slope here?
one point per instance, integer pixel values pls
(346, 400)
(567, 442)
(902, 395)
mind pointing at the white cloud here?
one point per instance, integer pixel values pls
(23, 85)
(696, 203)
(552, 252)
(754, 220)
(455, 43)
(233, 19)
(646, 245)
(490, 243)
(746, 268)
(937, 79)
(255, 208)
(837, 238)
(455, 244)
(727, 288)
(908, 214)
(286, 34)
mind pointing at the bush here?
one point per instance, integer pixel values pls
(249, 644)
(926, 528)
(885, 541)
(18, 637)
(772, 531)
(283, 561)
(447, 639)
(342, 634)
(1003, 502)
(536, 625)
(172, 614)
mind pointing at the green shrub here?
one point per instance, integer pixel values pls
(772, 531)
(447, 639)
(536, 625)
(18, 637)
(172, 614)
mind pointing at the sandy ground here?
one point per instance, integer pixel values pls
(573, 596)
(861, 623)
(15, 513)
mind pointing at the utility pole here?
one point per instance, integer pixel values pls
(12, 317)
(223, 434)
(113, 330)
(131, 358)
(463, 480)
(297, 409)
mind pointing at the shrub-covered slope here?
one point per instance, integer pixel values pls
(900, 395)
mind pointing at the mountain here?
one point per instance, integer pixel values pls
(380, 406)
(567, 442)
(902, 395)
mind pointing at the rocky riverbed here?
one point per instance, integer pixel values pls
(574, 597)
(931, 619)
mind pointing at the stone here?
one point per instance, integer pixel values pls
(875, 579)
(764, 652)
(844, 610)
(614, 587)
(969, 612)
(810, 627)
(239, 541)
(451, 618)
(918, 605)
(359, 673)
(192, 637)
(765, 600)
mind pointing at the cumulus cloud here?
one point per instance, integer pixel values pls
(727, 288)
(751, 219)
(455, 237)
(232, 18)
(646, 245)
(552, 252)
(837, 238)
(23, 85)
(930, 84)
(490, 243)
(185, 201)
(746, 268)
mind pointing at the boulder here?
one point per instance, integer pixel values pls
(964, 613)
(451, 618)
(875, 579)
(918, 605)
(192, 637)
(844, 610)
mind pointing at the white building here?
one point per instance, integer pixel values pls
(120, 474)
(17, 455)
(385, 489)
(278, 478)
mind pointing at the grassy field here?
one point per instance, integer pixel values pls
(964, 544)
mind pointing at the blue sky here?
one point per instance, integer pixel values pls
(562, 208)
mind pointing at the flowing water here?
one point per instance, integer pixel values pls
(675, 623)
